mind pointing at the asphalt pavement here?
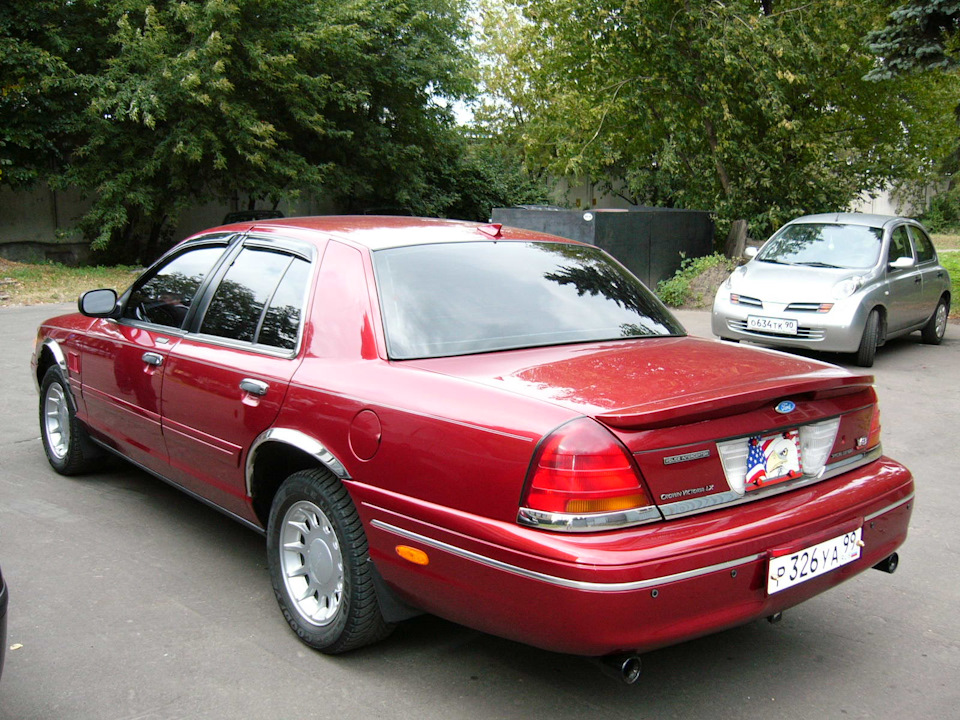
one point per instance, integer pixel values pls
(130, 600)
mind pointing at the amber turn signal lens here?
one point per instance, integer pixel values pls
(412, 554)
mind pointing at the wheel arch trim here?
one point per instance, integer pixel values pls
(299, 441)
(59, 358)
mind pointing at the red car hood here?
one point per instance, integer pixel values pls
(652, 382)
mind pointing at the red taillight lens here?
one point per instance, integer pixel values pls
(582, 468)
(874, 438)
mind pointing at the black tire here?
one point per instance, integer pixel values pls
(337, 609)
(65, 440)
(932, 333)
(869, 341)
(729, 339)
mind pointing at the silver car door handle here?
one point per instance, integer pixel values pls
(152, 358)
(254, 387)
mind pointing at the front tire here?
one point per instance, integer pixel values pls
(65, 440)
(320, 565)
(932, 333)
(868, 342)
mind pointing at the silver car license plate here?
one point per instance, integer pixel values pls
(780, 326)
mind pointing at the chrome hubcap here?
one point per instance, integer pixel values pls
(941, 319)
(56, 421)
(311, 562)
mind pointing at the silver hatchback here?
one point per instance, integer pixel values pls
(843, 282)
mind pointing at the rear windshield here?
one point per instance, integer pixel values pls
(824, 245)
(460, 298)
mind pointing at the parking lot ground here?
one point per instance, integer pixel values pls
(130, 600)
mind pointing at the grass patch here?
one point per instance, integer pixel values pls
(946, 241)
(696, 282)
(27, 284)
(951, 261)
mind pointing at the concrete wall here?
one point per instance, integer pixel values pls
(37, 225)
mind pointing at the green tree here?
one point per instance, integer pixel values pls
(753, 109)
(920, 35)
(269, 98)
(43, 45)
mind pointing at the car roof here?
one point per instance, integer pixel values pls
(865, 219)
(377, 232)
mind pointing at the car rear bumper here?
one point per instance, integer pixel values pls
(636, 589)
(839, 330)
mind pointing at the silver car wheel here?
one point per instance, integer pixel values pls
(941, 319)
(311, 562)
(56, 421)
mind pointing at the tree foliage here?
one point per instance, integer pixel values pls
(756, 110)
(920, 35)
(150, 106)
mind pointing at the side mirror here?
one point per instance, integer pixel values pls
(902, 263)
(751, 252)
(98, 303)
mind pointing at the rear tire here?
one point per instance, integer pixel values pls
(65, 440)
(320, 565)
(932, 333)
(868, 343)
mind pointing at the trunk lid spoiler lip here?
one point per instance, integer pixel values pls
(708, 405)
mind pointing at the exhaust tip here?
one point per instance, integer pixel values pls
(888, 564)
(625, 668)
(775, 618)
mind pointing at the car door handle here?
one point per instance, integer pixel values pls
(152, 358)
(917, 279)
(254, 387)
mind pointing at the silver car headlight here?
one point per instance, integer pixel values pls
(846, 288)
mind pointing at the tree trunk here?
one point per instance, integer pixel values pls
(736, 240)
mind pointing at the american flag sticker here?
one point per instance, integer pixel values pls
(773, 459)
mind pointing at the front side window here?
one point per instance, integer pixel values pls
(164, 296)
(824, 245)
(259, 300)
(458, 298)
(899, 244)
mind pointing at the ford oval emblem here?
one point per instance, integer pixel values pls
(787, 406)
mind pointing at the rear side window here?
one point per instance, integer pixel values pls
(925, 251)
(259, 300)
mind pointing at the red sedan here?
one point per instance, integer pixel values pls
(500, 427)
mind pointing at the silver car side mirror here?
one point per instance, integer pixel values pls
(902, 263)
(751, 252)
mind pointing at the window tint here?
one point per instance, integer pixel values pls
(899, 244)
(282, 320)
(925, 251)
(165, 296)
(457, 298)
(262, 292)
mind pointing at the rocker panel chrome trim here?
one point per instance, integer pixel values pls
(209, 503)
(565, 582)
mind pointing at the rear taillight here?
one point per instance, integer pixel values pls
(582, 478)
(874, 437)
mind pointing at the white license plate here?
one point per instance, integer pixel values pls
(795, 568)
(780, 326)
